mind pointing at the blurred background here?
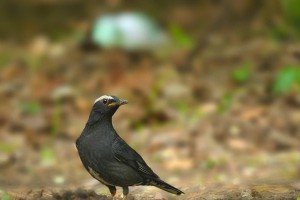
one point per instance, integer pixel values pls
(213, 89)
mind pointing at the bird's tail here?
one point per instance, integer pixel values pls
(165, 186)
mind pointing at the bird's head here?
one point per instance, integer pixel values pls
(105, 106)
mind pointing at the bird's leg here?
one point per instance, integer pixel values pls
(125, 192)
(112, 190)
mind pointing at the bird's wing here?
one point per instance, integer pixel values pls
(124, 153)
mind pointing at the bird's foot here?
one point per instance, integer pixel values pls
(125, 193)
(124, 197)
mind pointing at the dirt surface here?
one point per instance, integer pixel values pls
(262, 191)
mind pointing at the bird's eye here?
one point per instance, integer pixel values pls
(104, 101)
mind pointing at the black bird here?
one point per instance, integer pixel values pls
(108, 158)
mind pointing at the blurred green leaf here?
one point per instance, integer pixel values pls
(225, 102)
(242, 73)
(78, 35)
(280, 32)
(47, 155)
(210, 163)
(138, 125)
(287, 78)
(31, 107)
(8, 148)
(5, 58)
(182, 106)
(180, 37)
(31, 60)
(291, 12)
(35, 62)
(6, 197)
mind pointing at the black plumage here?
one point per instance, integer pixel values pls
(108, 158)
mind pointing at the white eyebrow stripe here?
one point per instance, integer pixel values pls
(103, 97)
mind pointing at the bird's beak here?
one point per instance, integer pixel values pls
(119, 102)
(122, 102)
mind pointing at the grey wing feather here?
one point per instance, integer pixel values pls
(124, 153)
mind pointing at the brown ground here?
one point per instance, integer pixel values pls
(199, 128)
